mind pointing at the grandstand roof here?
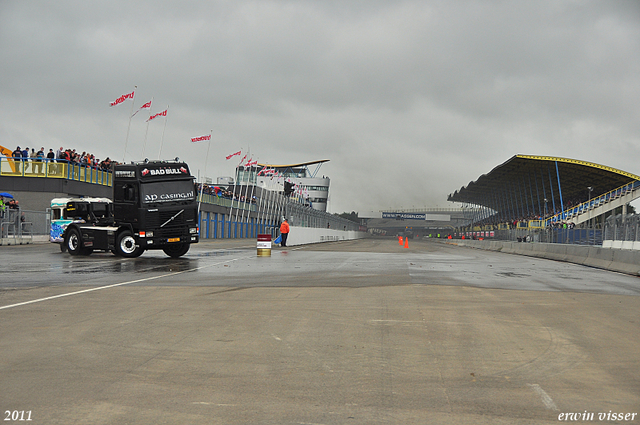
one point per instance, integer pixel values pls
(302, 164)
(523, 182)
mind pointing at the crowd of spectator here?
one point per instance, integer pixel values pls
(524, 221)
(35, 159)
(10, 203)
(224, 193)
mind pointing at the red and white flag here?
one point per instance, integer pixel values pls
(122, 98)
(233, 154)
(201, 138)
(159, 114)
(145, 106)
(251, 163)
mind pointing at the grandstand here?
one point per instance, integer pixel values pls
(540, 192)
(310, 189)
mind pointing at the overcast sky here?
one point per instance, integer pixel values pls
(409, 100)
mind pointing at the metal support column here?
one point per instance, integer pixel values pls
(553, 199)
(560, 192)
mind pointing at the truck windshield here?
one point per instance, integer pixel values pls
(167, 191)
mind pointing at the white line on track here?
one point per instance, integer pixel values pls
(546, 400)
(119, 284)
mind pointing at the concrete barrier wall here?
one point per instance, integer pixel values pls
(635, 245)
(619, 260)
(307, 235)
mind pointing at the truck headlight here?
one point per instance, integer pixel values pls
(193, 230)
(149, 234)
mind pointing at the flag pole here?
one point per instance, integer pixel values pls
(243, 169)
(233, 194)
(166, 117)
(126, 140)
(203, 177)
(269, 210)
(144, 145)
(275, 203)
(261, 206)
(251, 196)
(246, 191)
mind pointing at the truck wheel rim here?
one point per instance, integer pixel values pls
(128, 244)
(72, 244)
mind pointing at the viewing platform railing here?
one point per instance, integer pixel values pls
(47, 168)
(593, 203)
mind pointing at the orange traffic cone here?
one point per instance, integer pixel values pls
(400, 240)
(406, 242)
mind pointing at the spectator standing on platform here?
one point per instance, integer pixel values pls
(39, 159)
(25, 158)
(60, 154)
(284, 232)
(32, 156)
(17, 158)
(50, 157)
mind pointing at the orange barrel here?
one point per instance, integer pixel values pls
(264, 245)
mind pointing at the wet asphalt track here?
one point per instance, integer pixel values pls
(360, 332)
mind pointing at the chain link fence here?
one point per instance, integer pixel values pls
(577, 236)
(18, 226)
(622, 228)
(305, 216)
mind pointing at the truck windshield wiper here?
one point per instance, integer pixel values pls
(172, 218)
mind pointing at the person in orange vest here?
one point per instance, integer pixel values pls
(284, 232)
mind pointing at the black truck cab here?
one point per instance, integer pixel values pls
(154, 207)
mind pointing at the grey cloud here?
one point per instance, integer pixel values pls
(430, 94)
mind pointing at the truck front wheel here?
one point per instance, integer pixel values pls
(126, 245)
(176, 250)
(73, 242)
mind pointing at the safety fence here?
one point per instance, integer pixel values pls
(304, 216)
(622, 228)
(18, 226)
(576, 236)
(269, 212)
